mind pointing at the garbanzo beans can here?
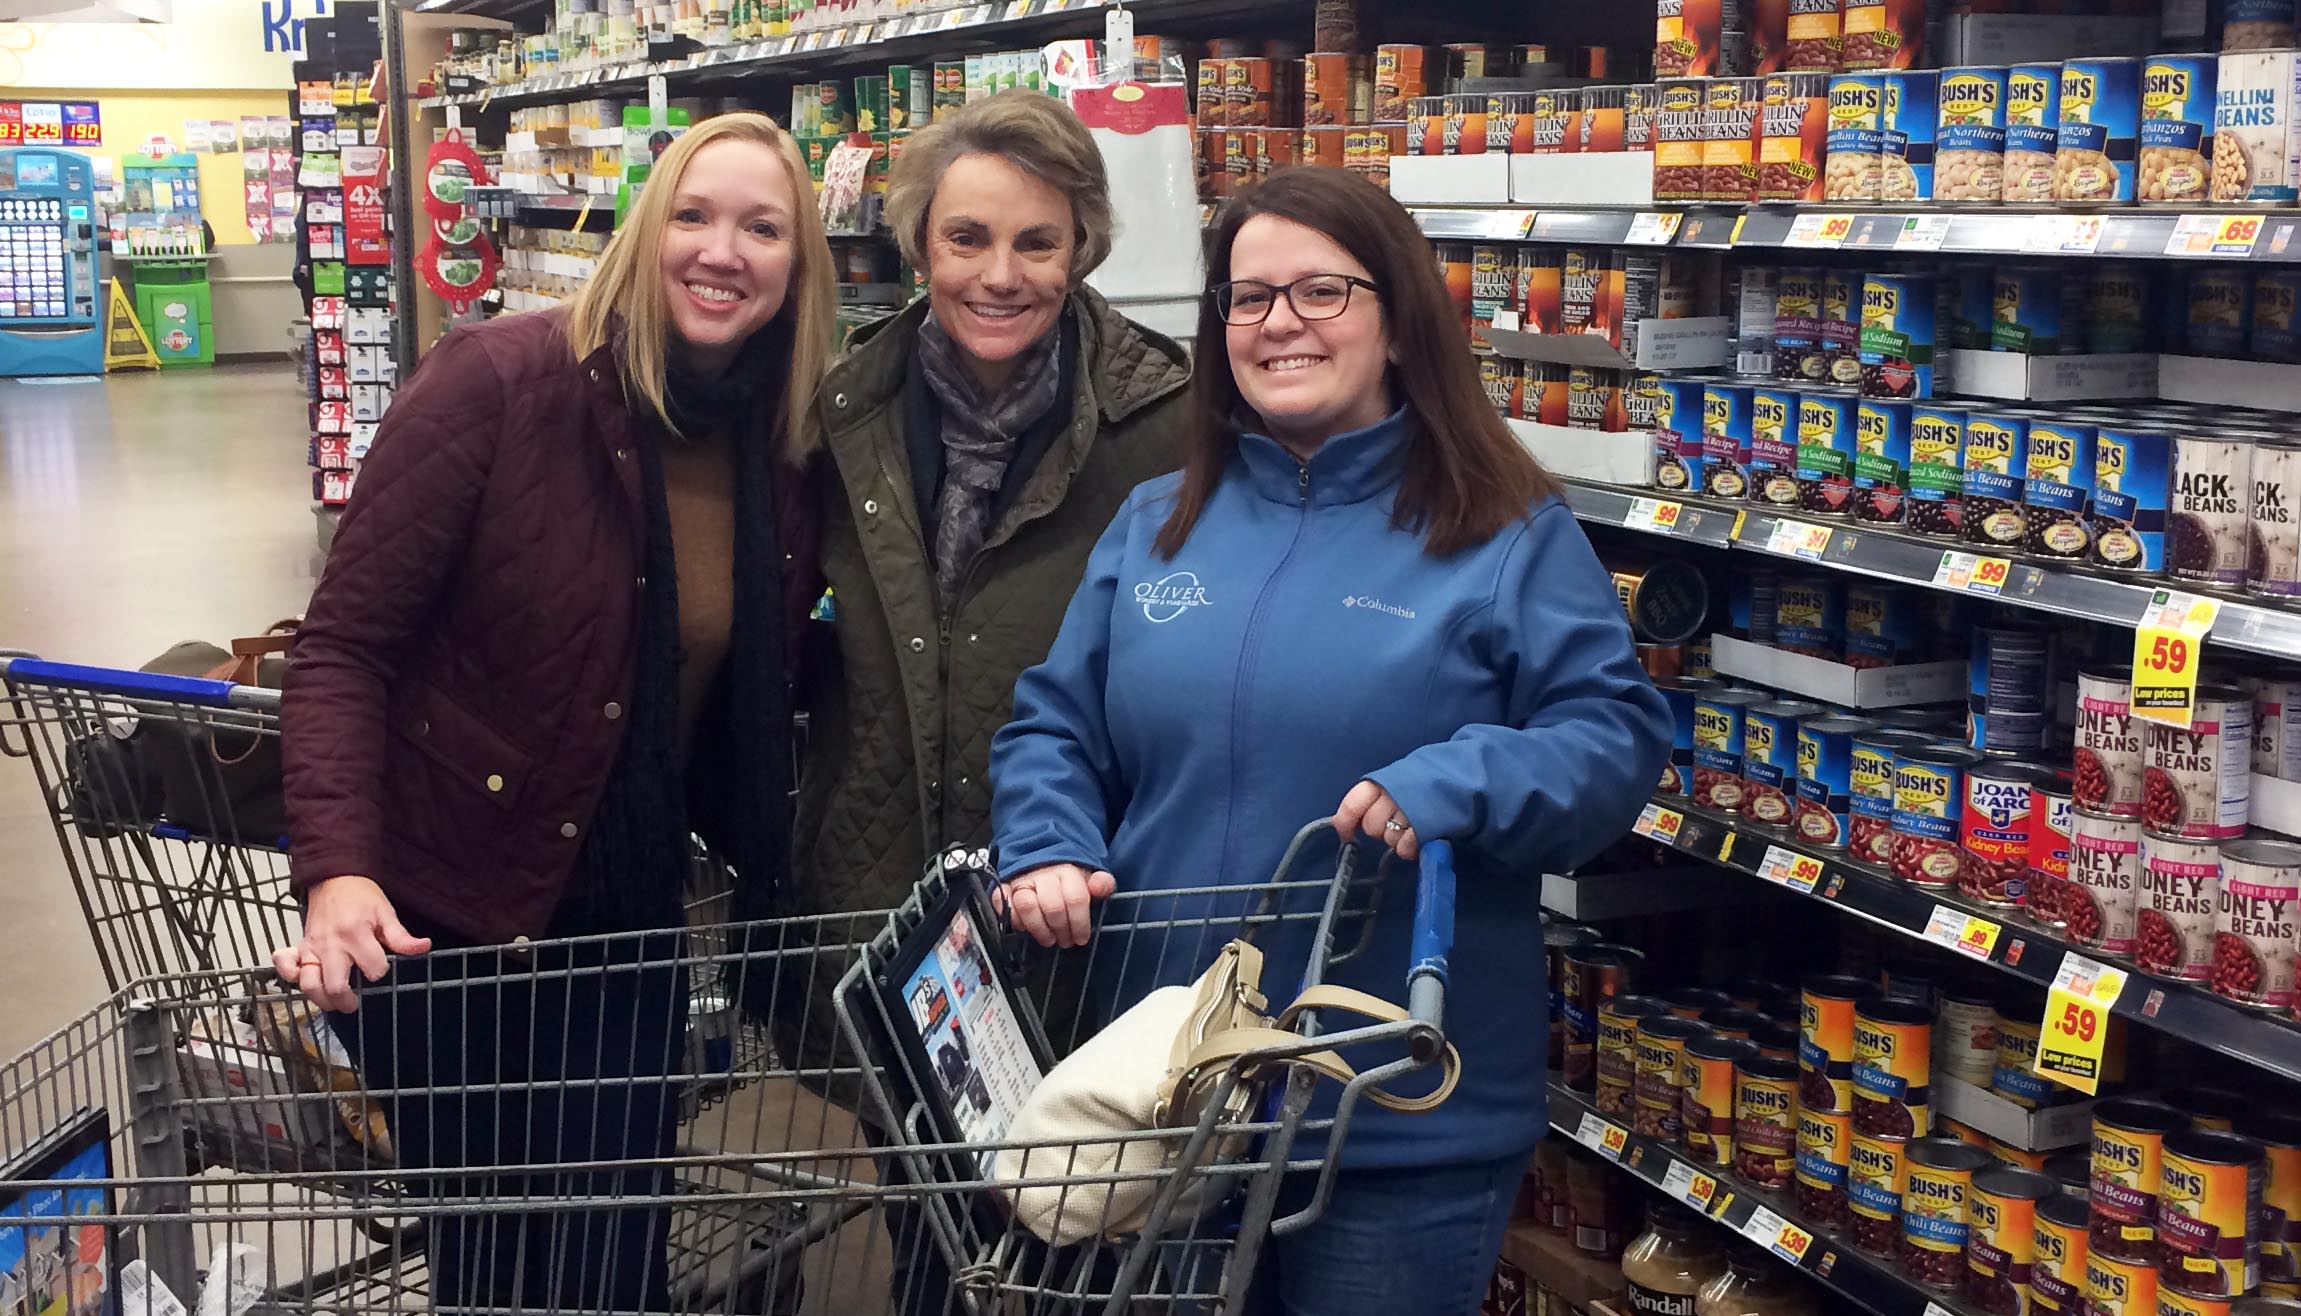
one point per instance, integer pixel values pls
(2116, 1287)
(1893, 1068)
(1826, 1040)
(1937, 1210)
(1877, 1173)
(1708, 1096)
(1618, 1050)
(2001, 1243)
(1766, 1120)
(2209, 1213)
(2057, 1266)
(2128, 1167)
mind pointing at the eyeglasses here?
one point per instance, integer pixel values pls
(1313, 297)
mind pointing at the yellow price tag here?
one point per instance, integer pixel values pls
(1799, 872)
(1656, 823)
(1739, 518)
(585, 213)
(1690, 1186)
(1792, 1242)
(2237, 234)
(2168, 649)
(2076, 1026)
(1614, 1141)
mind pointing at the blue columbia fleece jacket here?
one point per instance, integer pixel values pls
(1195, 712)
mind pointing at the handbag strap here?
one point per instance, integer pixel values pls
(1222, 1049)
(249, 653)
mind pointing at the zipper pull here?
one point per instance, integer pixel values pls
(1303, 469)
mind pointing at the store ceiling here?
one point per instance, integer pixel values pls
(81, 11)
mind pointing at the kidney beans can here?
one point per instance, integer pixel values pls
(1929, 795)
(1678, 773)
(1770, 760)
(1882, 625)
(2132, 491)
(2102, 896)
(2115, 1286)
(2257, 923)
(1996, 462)
(1825, 779)
(2001, 1246)
(2009, 700)
(2274, 565)
(1660, 1100)
(1826, 1008)
(2128, 1168)
(1718, 747)
(2095, 155)
(2208, 530)
(1766, 1120)
(2180, 891)
(1707, 1089)
(2057, 1269)
(1825, 452)
(2108, 759)
(2032, 131)
(1618, 1019)
(2198, 780)
(1870, 781)
(1876, 1175)
(2280, 1139)
(2057, 487)
(1825, 1147)
(1937, 1210)
(2209, 1213)
(1882, 443)
(2052, 814)
(2257, 127)
(1897, 351)
(1993, 830)
(1893, 1068)
(1937, 471)
(1726, 440)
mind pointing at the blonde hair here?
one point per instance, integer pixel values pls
(1030, 130)
(629, 288)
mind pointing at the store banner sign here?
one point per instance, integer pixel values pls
(11, 124)
(83, 124)
(364, 240)
(43, 123)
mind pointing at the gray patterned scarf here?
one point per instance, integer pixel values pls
(979, 439)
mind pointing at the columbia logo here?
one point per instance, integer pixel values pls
(1372, 603)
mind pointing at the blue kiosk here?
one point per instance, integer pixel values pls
(49, 302)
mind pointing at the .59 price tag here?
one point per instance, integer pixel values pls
(1974, 575)
(2168, 648)
(1799, 872)
(1656, 823)
(2076, 1026)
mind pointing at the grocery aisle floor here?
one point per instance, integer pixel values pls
(134, 512)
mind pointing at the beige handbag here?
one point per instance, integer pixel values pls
(1156, 1067)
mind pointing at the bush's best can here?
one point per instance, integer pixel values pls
(1969, 148)
(2001, 1243)
(1876, 1175)
(1825, 779)
(2176, 127)
(1718, 748)
(2032, 131)
(2128, 1168)
(2057, 1269)
(2094, 157)
(1826, 1041)
(1937, 471)
(1870, 778)
(1996, 462)
(1726, 440)
(1937, 1210)
(2115, 1286)
(1897, 343)
(2132, 486)
(1893, 1068)
(1707, 1090)
(1766, 1120)
(2209, 1213)
(2057, 487)
(1929, 795)
(1882, 455)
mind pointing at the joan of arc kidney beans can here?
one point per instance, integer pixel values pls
(1707, 1091)
(2057, 1270)
(1726, 440)
(2108, 757)
(1937, 471)
(1773, 477)
(2128, 1166)
(2098, 904)
(2180, 886)
(2051, 816)
(2257, 922)
(1996, 462)
(1766, 1120)
(1718, 747)
(1993, 830)
(1937, 1210)
(1893, 1068)
(1825, 452)
(1870, 778)
(1826, 1008)
(1929, 795)
(1770, 760)
(2209, 530)
(1882, 455)
(2001, 1245)
(2057, 487)
(2209, 1213)
(2197, 780)
(1825, 779)
(1877, 1173)
(2116, 1286)
(2132, 487)
(1897, 345)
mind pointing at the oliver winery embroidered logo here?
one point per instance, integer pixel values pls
(1171, 595)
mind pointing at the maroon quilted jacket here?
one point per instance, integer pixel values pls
(456, 698)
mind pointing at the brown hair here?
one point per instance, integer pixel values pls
(1030, 130)
(1467, 476)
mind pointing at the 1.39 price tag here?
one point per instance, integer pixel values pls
(1602, 1135)
(2168, 648)
(2076, 1027)
(1690, 1186)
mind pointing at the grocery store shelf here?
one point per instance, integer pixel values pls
(1596, 897)
(1767, 1219)
(1993, 937)
(1885, 554)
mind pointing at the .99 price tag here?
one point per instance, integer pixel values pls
(1656, 823)
(2076, 1026)
(2168, 648)
(1819, 231)
(1799, 872)
(1974, 575)
(1657, 515)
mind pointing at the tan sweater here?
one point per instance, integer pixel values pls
(699, 490)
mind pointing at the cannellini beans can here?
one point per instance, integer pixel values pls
(2256, 127)
(2256, 924)
(2108, 757)
(2180, 889)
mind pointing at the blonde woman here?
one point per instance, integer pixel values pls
(555, 636)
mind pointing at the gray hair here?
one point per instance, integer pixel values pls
(1030, 130)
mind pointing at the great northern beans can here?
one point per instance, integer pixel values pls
(2057, 1269)
(1870, 780)
(2001, 1246)
(1937, 1210)
(2209, 1213)
(2128, 1172)
(1893, 1068)
(1707, 1093)
(1825, 778)
(1876, 1176)
(1766, 1120)
(1826, 1010)
(1618, 1022)
(1929, 796)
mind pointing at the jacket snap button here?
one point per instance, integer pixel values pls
(521, 940)
(839, 401)
(973, 638)
(421, 727)
(495, 783)
(870, 507)
(613, 711)
(965, 781)
(567, 830)
(918, 645)
(595, 374)
(621, 453)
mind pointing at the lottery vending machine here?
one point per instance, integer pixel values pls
(48, 295)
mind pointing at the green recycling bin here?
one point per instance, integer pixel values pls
(177, 310)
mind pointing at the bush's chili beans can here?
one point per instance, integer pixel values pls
(1937, 471)
(2057, 1267)
(1678, 773)
(1694, 1002)
(2116, 1286)
(1996, 462)
(2208, 531)
(1656, 1092)
(2017, 1039)
(1825, 1148)
(1718, 747)
(1825, 778)
(1770, 760)
(1707, 1090)
(2109, 743)
(2280, 1139)
(1618, 1020)
(2132, 491)
(1593, 975)
(1559, 937)
(2008, 1154)
(2274, 566)
(1876, 1176)
(2256, 922)
(1993, 830)
(1965, 1035)
(1734, 1021)
(2198, 780)
(1870, 780)
(1893, 1068)
(2209, 1213)
(1937, 1210)
(2001, 1245)
(2173, 1302)
(1766, 1120)
(1826, 1041)
(2009, 692)
(2128, 1167)
(2099, 902)
(1929, 794)
(2207, 1107)
(2180, 891)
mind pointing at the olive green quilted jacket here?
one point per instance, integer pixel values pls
(899, 750)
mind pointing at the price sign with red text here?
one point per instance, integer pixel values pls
(1819, 231)
(43, 123)
(1657, 515)
(2214, 235)
(1973, 574)
(1777, 1235)
(1690, 1186)
(2076, 1027)
(1656, 823)
(2168, 649)
(11, 124)
(1799, 872)
(1967, 934)
(1603, 1136)
(83, 124)
(1798, 539)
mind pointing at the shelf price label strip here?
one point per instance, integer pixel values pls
(1656, 823)
(1967, 934)
(1799, 539)
(1777, 1236)
(2076, 1026)
(1658, 516)
(2168, 647)
(1799, 872)
(1602, 1136)
(1973, 574)
(1691, 1186)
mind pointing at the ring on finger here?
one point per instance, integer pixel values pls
(1394, 826)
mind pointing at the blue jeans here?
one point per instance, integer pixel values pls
(1405, 1242)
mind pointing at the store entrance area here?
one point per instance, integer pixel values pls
(135, 511)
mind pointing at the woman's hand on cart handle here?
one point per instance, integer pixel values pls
(1369, 809)
(1055, 903)
(348, 923)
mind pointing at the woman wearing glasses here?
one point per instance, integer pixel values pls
(1360, 598)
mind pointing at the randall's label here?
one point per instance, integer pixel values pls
(1655, 1302)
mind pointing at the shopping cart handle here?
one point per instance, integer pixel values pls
(194, 690)
(1433, 934)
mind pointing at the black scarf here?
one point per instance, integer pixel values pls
(632, 870)
(980, 436)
